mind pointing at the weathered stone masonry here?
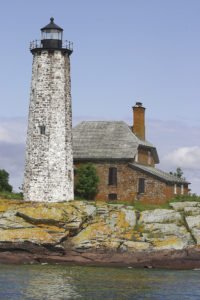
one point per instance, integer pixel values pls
(49, 162)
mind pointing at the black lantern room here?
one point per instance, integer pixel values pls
(51, 36)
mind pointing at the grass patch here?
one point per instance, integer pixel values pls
(148, 206)
(119, 203)
(182, 198)
(10, 196)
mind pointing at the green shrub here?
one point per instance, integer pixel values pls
(86, 185)
(7, 195)
(4, 181)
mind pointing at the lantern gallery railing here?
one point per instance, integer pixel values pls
(38, 44)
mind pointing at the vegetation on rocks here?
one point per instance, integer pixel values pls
(6, 188)
(4, 181)
(10, 195)
(182, 198)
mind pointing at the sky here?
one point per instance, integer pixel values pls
(124, 51)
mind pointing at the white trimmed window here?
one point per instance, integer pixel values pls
(149, 158)
(136, 157)
(182, 189)
(175, 189)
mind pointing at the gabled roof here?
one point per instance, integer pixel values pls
(147, 144)
(104, 140)
(157, 173)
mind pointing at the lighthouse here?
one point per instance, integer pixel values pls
(48, 174)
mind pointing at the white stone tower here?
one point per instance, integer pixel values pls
(49, 163)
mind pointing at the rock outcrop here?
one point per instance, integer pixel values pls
(82, 232)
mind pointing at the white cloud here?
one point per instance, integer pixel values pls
(188, 158)
(12, 145)
(185, 157)
(13, 130)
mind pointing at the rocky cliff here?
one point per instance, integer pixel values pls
(100, 234)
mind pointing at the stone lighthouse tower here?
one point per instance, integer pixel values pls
(49, 163)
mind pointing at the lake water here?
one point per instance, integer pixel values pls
(54, 282)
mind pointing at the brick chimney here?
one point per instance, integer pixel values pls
(139, 120)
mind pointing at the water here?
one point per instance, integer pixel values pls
(38, 282)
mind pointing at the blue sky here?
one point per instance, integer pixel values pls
(124, 51)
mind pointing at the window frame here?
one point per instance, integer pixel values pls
(112, 176)
(149, 158)
(175, 189)
(42, 129)
(182, 189)
(112, 196)
(141, 185)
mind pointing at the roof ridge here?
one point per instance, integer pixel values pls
(155, 171)
(104, 121)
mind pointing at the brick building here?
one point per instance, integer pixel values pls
(125, 161)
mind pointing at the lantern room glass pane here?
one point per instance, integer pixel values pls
(52, 34)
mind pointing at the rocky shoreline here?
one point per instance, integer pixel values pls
(166, 259)
(100, 235)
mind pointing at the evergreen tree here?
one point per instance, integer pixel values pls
(86, 185)
(4, 182)
(178, 173)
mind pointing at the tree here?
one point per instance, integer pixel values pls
(86, 185)
(4, 181)
(178, 173)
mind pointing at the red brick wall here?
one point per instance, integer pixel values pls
(139, 121)
(156, 191)
(143, 158)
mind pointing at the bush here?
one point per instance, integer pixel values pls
(11, 196)
(4, 179)
(86, 185)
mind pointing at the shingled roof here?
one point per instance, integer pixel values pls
(104, 140)
(157, 173)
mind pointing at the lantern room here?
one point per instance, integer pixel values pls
(51, 36)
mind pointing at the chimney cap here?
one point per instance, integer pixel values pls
(138, 104)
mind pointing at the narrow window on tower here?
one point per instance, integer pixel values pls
(112, 176)
(141, 186)
(42, 129)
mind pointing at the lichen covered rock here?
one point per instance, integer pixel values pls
(165, 229)
(193, 223)
(160, 216)
(111, 226)
(179, 206)
(84, 226)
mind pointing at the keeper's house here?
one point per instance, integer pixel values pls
(125, 161)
